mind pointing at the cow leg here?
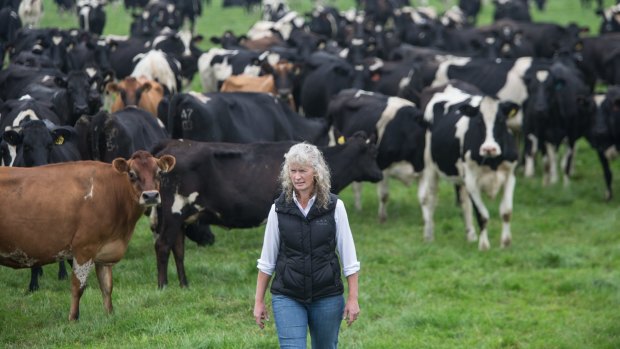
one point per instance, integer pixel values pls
(606, 173)
(162, 251)
(468, 216)
(550, 164)
(383, 191)
(78, 284)
(104, 275)
(567, 163)
(427, 196)
(35, 272)
(179, 258)
(529, 151)
(482, 213)
(505, 209)
(62, 271)
(357, 195)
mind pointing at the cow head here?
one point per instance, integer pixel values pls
(487, 127)
(78, 85)
(35, 142)
(129, 91)
(144, 172)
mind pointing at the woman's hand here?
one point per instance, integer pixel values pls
(351, 311)
(260, 314)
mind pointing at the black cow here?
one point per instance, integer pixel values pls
(396, 123)
(91, 16)
(601, 59)
(558, 111)
(240, 117)
(325, 76)
(604, 133)
(518, 10)
(106, 136)
(470, 144)
(208, 183)
(9, 24)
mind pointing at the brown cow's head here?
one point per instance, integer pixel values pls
(144, 172)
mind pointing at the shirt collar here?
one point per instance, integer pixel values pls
(308, 207)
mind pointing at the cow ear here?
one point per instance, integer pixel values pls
(266, 68)
(61, 135)
(112, 87)
(166, 163)
(509, 109)
(120, 165)
(197, 39)
(12, 137)
(216, 40)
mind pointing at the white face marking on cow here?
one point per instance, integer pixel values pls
(91, 71)
(57, 40)
(81, 271)
(488, 109)
(20, 257)
(542, 75)
(181, 201)
(394, 104)
(186, 38)
(89, 194)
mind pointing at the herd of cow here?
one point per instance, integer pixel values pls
(387, 90)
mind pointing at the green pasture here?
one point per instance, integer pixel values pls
(556, 287)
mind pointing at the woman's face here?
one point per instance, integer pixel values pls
(302, 177)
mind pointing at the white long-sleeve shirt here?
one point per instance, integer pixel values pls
(344, 239)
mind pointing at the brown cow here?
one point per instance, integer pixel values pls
(278, 80)
(141, 92)
(88, 214)
(249, 83)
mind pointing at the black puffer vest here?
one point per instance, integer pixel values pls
(307, 267)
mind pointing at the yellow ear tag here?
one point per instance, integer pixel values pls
(512, 113)
(60, 140)
(341, 140)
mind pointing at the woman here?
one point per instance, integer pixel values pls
(305, 227)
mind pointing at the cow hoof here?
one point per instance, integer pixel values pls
(484, 245)
(472, 237)
(506, 243)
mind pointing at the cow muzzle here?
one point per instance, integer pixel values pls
(490, 150)
(150, 198)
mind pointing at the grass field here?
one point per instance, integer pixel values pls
(557, 286)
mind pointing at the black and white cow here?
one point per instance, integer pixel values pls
(217, 64)
(209, 178)
(395, 123)
(469, 143)
(240, 117)
(91, 16)
(604, 134)
(106, 136)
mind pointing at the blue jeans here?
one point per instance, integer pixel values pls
(323, 317)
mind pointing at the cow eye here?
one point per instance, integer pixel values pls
(133, 176)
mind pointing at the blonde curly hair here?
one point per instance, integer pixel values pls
(306, 154)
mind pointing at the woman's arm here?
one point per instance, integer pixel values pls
(260, 312)
(352, 308)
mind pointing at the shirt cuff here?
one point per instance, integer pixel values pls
(351, 269)
(266, 268)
